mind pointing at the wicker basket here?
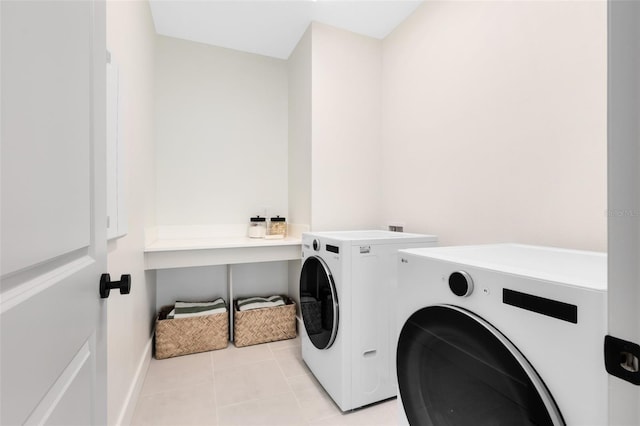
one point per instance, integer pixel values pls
(183, 336)
(255, 326)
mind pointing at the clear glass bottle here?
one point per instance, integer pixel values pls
(277, 227)
(257, 227)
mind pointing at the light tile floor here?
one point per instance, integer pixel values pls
(263, 385)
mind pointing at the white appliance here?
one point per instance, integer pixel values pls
(347, 304)
(502, 334)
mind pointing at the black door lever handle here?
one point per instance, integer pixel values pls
(106, 285)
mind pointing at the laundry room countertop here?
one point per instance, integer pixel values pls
(171, 250)
(217, 243)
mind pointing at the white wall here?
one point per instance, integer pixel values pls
(346, 130)
(221, 134)
(495, 122)
(209, 282)
(299, 143)
(299, 92)
(131, 39)
(222, 155)
(334, 133)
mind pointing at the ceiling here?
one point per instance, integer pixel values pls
(270, 27)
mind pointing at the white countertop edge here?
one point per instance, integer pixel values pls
(218, 243)
(211, 237)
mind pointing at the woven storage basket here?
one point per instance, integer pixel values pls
(264, 325)
(183, 336)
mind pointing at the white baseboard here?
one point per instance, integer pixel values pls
(130, 402)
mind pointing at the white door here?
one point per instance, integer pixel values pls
(624, 207)
(52, 320)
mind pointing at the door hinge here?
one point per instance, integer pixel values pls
(621, 359)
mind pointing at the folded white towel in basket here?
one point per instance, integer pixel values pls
(194, 309)
(259, 302)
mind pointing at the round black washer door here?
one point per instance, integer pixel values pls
(318, 302)
(454, 368)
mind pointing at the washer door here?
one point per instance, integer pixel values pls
(318, 302)
(454, 368)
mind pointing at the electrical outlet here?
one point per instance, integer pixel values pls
(395, 225)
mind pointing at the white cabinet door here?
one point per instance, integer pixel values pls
(624, 199)
(53, 213)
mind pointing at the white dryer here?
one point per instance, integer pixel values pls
(347, 304)
(502, 335)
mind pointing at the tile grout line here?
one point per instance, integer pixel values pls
(163, 391)
(253, 399)
(270, 358)
(249, 362)
(295, 395)
(181, 387)
(215, 394)
(324, 392)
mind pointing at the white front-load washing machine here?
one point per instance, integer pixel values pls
(502, 335)
(347, 304)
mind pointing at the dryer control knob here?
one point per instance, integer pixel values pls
(461, 283)
(316, 245)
